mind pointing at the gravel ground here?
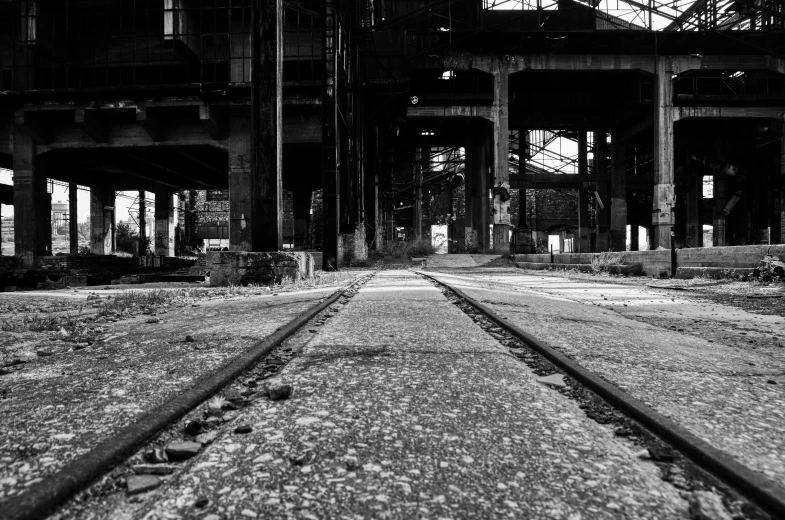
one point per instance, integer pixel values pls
(89, 372)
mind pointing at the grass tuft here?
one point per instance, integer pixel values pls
(602, 262)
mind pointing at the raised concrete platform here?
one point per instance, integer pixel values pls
(245, 268)
(626, 270)
(658, 263)
(717, 273)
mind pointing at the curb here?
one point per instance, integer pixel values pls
(46, 496)
(763, 492)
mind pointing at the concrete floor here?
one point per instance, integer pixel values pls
(404, 407)
(717, 370)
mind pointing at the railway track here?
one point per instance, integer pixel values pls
(41, 499)
(756, 488)
(601, 400)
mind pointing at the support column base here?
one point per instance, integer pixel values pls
(501, 240)
(661, 235)
(352, 246)
(244, 268)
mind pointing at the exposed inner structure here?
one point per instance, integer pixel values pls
(338, 126)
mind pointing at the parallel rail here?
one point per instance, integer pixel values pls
(46, 496)
(764, 493)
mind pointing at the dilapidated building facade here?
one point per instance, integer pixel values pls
(625, 111)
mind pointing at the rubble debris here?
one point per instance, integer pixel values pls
(206, 438)
(706, 505)
(183, 449)
(140, 483)
(153, 469)
(553, 380)
(661, 453)
(156, 456)
(279, 390)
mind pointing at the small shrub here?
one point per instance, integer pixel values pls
(602, 262)
(402, 251)
(771, 269)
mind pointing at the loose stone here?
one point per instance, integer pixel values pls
(189, 339)
(183, 449)
(141, 483)
(279, 390)
(705, 505)
(153, 469)
(553, 380)
(245, 428)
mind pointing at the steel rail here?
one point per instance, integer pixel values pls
(46, 496)
(758, 489)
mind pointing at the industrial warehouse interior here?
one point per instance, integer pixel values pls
(359, 259)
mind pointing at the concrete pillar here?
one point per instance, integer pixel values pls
(449, 205)
(618, 230)
(266, 224)
(73, 222)
(694, 231)
(102, 228)
(604, 202)
(302, 216)
(478, 156)
(32, 203)
(583, 242)
(330, 141)
(664, 194)
(780, 207)
(165, 220)
(470, 158)
(417, 199)
(142, 248)
(501, 158)
(635, 236)
(719, 232)
(241, 185)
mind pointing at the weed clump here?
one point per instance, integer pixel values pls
(602, 262)
(401, 251)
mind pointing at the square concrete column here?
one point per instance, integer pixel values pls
(478, 161)
(32, 203)
(635, 236)
(255, 193)
(603, 202)
(780, 206)
(618, 230)
(165, 220)
(694, 231)
(331, 217)
(141, 249)
(664, 193)
(301, 209)
(417, 196)
(501, 158)
(267, 124)
(102, 228)
(719, 232)
(470, 157)
(584, 243)
(73, 222)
